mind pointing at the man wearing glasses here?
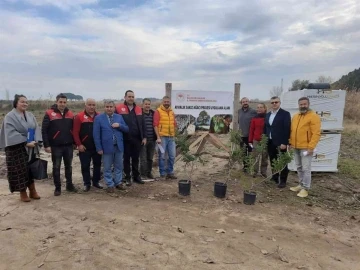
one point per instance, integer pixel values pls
(277, 129)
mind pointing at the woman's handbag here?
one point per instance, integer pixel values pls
(38, 169)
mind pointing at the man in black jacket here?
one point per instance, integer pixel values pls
(83, 137)
(147, 150)
(58, 140)
(133, 140)
(277, 128)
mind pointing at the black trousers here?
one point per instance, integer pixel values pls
(247, 149)
(132, 148)
(85, 160)
(59, 153)
(146, 157)
(273, 151)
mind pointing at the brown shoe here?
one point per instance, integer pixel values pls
(120, 187)
(110, 190)
(33, 194)
(24, 197)
(161, 178)
(171, 176)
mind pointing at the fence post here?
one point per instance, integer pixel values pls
(236, 106)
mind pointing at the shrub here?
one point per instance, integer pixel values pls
(352, 106)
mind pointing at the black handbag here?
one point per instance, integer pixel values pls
(38, 169)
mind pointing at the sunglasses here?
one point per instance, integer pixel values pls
(275, 102)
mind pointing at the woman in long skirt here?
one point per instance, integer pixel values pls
(20, 152)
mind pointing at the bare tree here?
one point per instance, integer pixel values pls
(276, 91)
(324, 79)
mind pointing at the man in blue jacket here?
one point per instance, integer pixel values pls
(277, 129)
(108, 138)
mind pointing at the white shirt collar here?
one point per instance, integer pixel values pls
(275, 111)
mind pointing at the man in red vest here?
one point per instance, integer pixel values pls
(58, 140)
(134, 139)
(84, 140)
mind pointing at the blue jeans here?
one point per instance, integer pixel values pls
(168, 143)
(116, 159)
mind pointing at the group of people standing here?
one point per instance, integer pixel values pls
(118, 139)
(126, 134)
(301, 133)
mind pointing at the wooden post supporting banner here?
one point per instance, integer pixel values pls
(236, 106)
(197, 141)
(201, 145)
(201, 141)
(218, 142)
(168, 89)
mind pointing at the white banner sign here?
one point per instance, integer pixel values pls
(191, 102)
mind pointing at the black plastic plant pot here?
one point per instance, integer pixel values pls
(184, 187)
(220, 189)
(249, 197)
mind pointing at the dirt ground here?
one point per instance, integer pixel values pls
(152, 227)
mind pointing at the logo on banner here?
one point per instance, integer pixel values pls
(325, 116)
(180, 97)
(322, 158)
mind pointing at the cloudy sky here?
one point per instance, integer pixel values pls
(100, 48)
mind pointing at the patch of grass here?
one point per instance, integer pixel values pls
(352, 107)
(352, 131)
(349, 167)
(350, 144)
(350, 126)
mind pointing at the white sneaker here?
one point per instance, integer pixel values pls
(303, 193)
(296, 189)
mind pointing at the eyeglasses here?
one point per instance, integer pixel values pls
(275, 102)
